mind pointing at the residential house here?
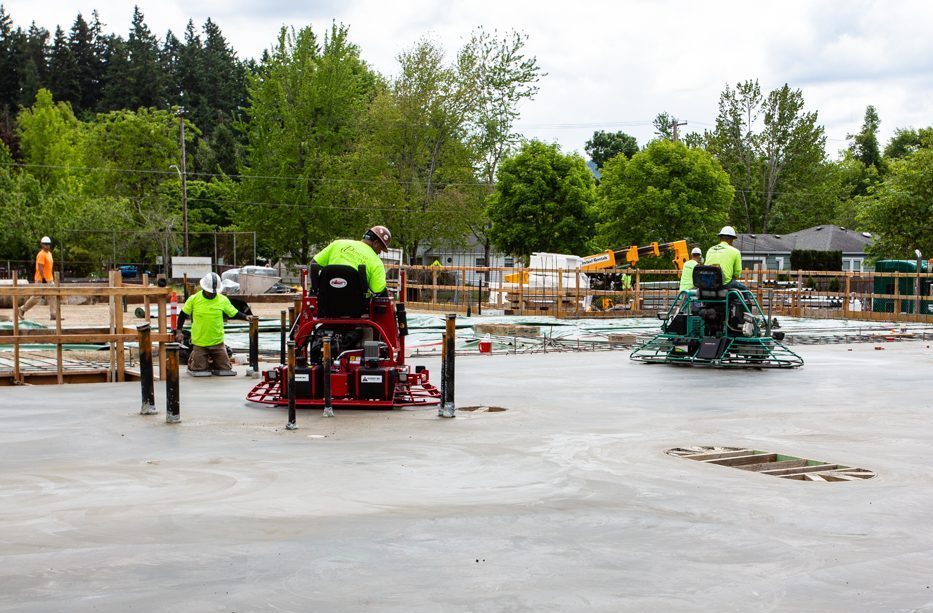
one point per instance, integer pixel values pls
(772, 251)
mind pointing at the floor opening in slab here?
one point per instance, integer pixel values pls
(774, 464)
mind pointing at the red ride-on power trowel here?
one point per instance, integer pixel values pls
(366, 341)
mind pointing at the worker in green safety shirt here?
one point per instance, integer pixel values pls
(729, 259)
(344, 252)
(686, 276)
(207, 309)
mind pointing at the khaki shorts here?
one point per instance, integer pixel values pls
(209, 358)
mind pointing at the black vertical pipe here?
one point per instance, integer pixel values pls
(479, 303)
(145, 370)
(254, 346)
(325, 351)
(448, 405)
(443, 374)
(172, 398)
(283, 332)
(291, 425)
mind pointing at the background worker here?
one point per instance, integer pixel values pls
(44, 274)
(729, 259)
(686, 277)
(207, 309)
(344, 252)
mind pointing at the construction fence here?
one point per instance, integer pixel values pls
(564, 293)
(90, 254)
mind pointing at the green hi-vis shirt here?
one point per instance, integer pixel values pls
(686, 277)
(728, 258)
(345, 252)
(207, 318)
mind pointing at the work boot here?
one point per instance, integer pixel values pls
(223, 373)
(199, 373)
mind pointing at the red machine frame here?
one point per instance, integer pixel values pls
(411, 388)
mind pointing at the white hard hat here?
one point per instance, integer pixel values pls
(696, 251)
(45, 241)
(728, 231)
(211, 283)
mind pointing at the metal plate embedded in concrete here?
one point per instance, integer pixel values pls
(774, 464)
(482, 409)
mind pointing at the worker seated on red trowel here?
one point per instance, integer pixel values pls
(207, 309)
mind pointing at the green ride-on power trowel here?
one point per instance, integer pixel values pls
(716, 326)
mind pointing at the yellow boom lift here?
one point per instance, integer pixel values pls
(628, 258)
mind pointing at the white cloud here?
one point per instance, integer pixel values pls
(614, 64)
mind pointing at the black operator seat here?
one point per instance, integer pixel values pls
(708, 281)
(341, 292)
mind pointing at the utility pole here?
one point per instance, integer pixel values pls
(184, 178)
(674, 125)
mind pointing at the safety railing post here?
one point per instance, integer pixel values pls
(448, 406)
(147, 388)
(290, 382)
(253, 370)
(325, 351)
(172, 397)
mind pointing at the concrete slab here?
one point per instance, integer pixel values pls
(565, 502)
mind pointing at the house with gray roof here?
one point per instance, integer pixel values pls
(772, 251)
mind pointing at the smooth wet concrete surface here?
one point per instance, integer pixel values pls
(565, 502)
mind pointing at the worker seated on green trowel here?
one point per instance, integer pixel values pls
(207, 309)
(729, 260)
(686, 277)
(343, 252)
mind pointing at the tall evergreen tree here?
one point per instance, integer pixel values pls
(10, 62)
(63, 70)
(35, 64)
(865, 145)
(223, 82)
(114, 68)
(82, 41)
(146, 77)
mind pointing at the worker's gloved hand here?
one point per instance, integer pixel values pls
(179, 336)
(252, 318)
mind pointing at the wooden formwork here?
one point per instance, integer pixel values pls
(37, 366)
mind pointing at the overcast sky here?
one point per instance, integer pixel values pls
(613, 65)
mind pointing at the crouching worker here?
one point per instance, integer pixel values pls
(207, 309)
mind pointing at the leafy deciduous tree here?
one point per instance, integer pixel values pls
(606, 145)
(544, 202)
(665, 192)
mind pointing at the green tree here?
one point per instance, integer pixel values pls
(51, 140)
(421, 125)
(865, 145)
(663, 126)
(544, 202)
(306, 103)
(900, 208)
(906, 141)
(604, 146)
(63, 70)
(502, 77)
(11, 62)
(130, 154)
(770, 146)
(135, 74)
(82, 43)
(35, 67)
(665, 192)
